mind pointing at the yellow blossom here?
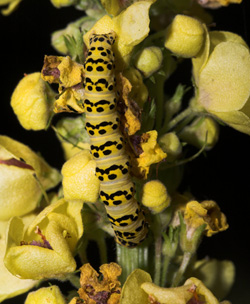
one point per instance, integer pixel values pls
(11, 286)
(176, 295)
(79, 179)
(152, 153)
(185, 36)
(93, 288)
(131, 27)
(221, 73)
(45, 249)
(138, 91)
(155, 196)
(21, 168)
(12, 5)
(132, 291)
(206, 212)
(46, 295)
(201, 291)
(68, 74)
(32, 102)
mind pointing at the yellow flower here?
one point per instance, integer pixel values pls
(93, 288)
(155, 196)
(132, 291)
(32, 101)
(149, 60)
(206, 212)
(131, 27)
(11, 286)
(152, 153)
(79, 179)
(193, 291)
(21, 168)
(176, 295)
(45, 249)
(221, 73)
(201, 292)
(12, 5)
(68, 74)
(46, 295)
(185, 36)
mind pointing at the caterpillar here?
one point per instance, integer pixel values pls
(107, 143)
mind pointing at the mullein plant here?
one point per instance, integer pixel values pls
(45, 233)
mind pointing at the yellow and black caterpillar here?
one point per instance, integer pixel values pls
(107, 143)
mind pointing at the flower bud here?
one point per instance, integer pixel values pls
(149, 60)
(21, 168)
(201, 131)
(171, 145)
(155, 196)
(31, 101)
(62, 3)
(50, 295)
(185, 36)
(79, 179)
(12, 5)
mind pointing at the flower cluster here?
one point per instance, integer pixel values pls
(45, 233)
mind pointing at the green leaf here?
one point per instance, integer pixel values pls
(74, 45)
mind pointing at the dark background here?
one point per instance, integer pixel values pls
(222, 175)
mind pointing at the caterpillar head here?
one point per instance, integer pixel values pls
(108, 38)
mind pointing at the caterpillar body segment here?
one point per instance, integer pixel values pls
(107, 143)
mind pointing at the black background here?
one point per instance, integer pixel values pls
(222, 175)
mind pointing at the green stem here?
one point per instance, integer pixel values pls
(131, 259)
(158, 248)
(179, 274)
(177, 119)
(166, 263)
(101, 243)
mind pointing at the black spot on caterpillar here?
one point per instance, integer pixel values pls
(107, 143)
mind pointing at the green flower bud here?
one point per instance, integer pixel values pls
(149, 60)
(201, 131)
(32, 102)
(185, 36)
(171, 145)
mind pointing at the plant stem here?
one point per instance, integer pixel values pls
(158, 248)
(166, 263)
(131, 259)
(179, 274)
(177, 119)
